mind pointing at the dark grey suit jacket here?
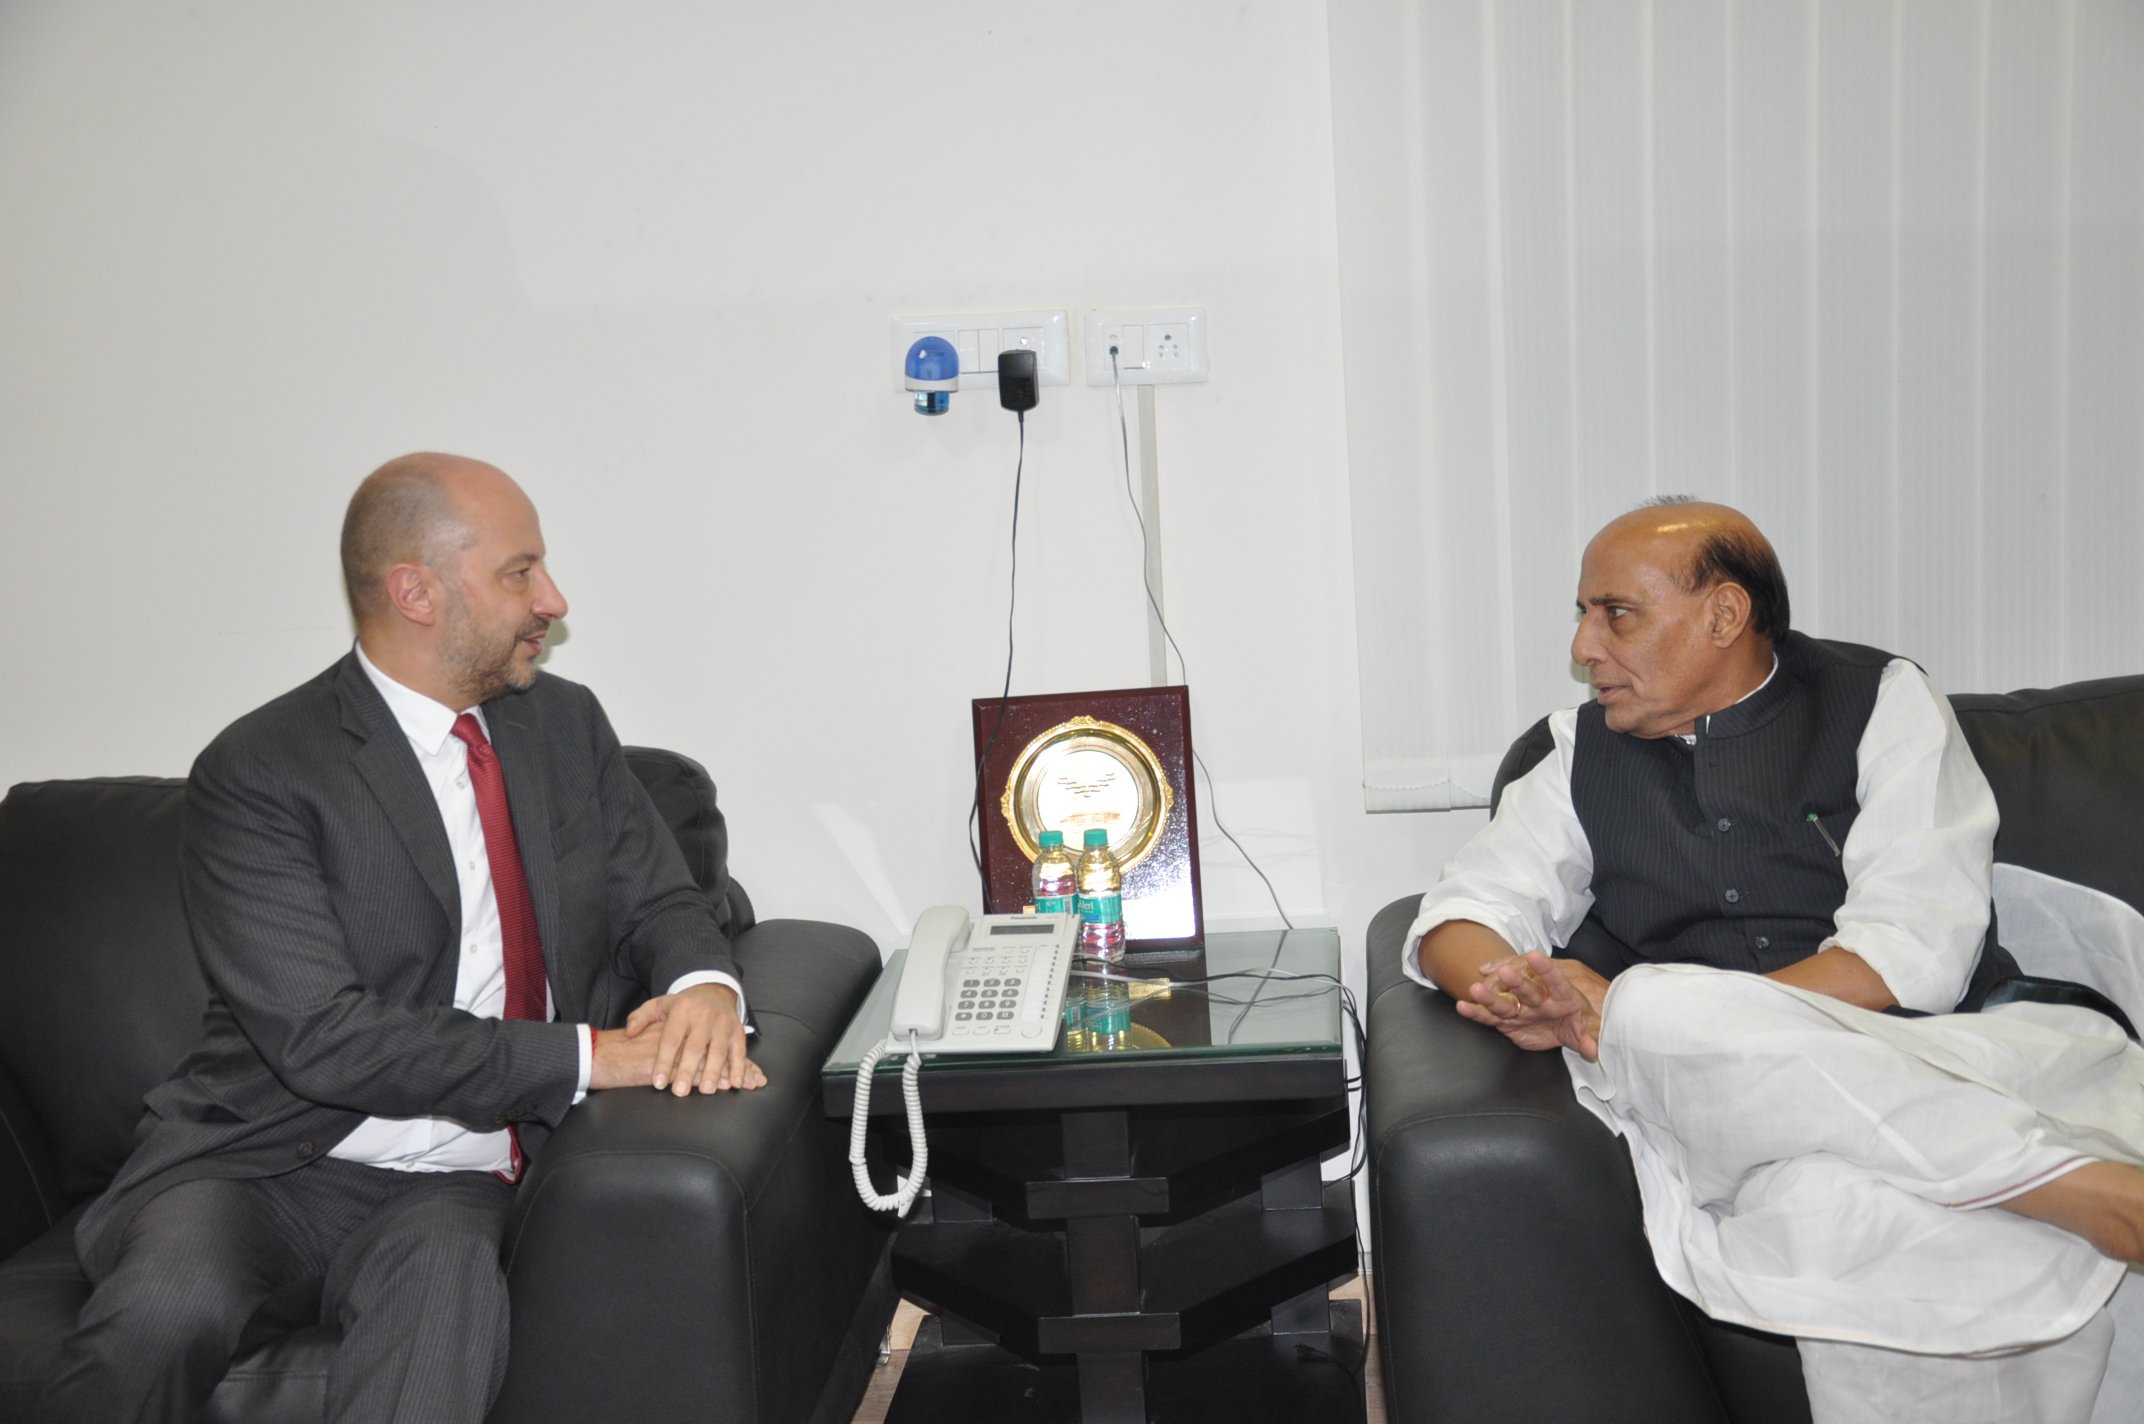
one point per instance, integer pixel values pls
(326, 912)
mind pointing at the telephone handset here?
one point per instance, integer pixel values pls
(919, 1004)
(994, 986)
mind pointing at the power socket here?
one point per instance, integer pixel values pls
(1170, 345)
(1155, 346)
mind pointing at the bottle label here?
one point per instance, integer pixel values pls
(1101, 909)
(1053, 905)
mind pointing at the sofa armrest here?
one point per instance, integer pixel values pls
(1505, 1230)
(702, 1257)
(29, 1188)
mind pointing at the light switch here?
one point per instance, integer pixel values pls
(979, 336)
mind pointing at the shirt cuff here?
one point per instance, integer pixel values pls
(1903, 963)
(715, 976)
(1492, 917)
(588, 1062)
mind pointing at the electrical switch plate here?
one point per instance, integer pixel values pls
(980, 336)
(1156, 346)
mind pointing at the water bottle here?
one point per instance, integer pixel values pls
(1056, 879)
(1101, 899)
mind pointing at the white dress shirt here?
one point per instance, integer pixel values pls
(436, 1144)
(1917, 860)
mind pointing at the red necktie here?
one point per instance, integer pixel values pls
(525, 983)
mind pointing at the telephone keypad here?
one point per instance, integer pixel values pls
(991, 991)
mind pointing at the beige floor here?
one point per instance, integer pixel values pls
(904, 1331)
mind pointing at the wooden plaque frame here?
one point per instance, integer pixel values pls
(1161, 888)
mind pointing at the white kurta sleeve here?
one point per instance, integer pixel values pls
(1528, 874)
(1919, 858)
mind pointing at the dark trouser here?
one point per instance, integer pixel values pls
(410, 1265)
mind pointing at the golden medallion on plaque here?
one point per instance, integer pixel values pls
(1085, 773)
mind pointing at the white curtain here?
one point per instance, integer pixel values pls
(1871, 270)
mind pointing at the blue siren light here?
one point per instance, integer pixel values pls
(933, 373)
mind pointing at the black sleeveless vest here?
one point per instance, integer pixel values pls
(1726, 852)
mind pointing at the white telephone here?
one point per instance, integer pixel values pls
(994, 986)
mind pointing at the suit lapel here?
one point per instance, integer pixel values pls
(390, 769)
(517, 736)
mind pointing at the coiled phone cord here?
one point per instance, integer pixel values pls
(860, 1117)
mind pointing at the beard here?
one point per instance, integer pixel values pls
(482, 665)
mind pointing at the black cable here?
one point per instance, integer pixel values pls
(1012, 599)
(1263, 980)
(1213, 800)
(1350, 1007)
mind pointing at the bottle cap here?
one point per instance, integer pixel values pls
(1097, 836)
(1053, 838)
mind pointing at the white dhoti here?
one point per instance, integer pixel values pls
(1822, 1171)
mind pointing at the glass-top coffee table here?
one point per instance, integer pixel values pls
(1133, 1226)
(1236, 1036)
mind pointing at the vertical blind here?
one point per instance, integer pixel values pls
(1871, 270)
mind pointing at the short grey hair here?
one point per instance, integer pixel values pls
(402, 513)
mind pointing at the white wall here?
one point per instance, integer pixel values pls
(643, 256)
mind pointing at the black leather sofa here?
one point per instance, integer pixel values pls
(1512, 1277)
(701, 1259)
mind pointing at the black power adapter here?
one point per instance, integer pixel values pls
(1018, 388)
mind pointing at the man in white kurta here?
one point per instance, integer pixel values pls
(1809, 1164)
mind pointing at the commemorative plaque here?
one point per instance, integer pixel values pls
(1118, 760)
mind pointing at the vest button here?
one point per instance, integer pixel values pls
(1726, 825)
(305, 1149)
(1763, 943)
(1734, 897)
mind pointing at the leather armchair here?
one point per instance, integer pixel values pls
(700, 1259)
(1512, 1277)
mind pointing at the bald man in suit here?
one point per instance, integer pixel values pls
(424, 886)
